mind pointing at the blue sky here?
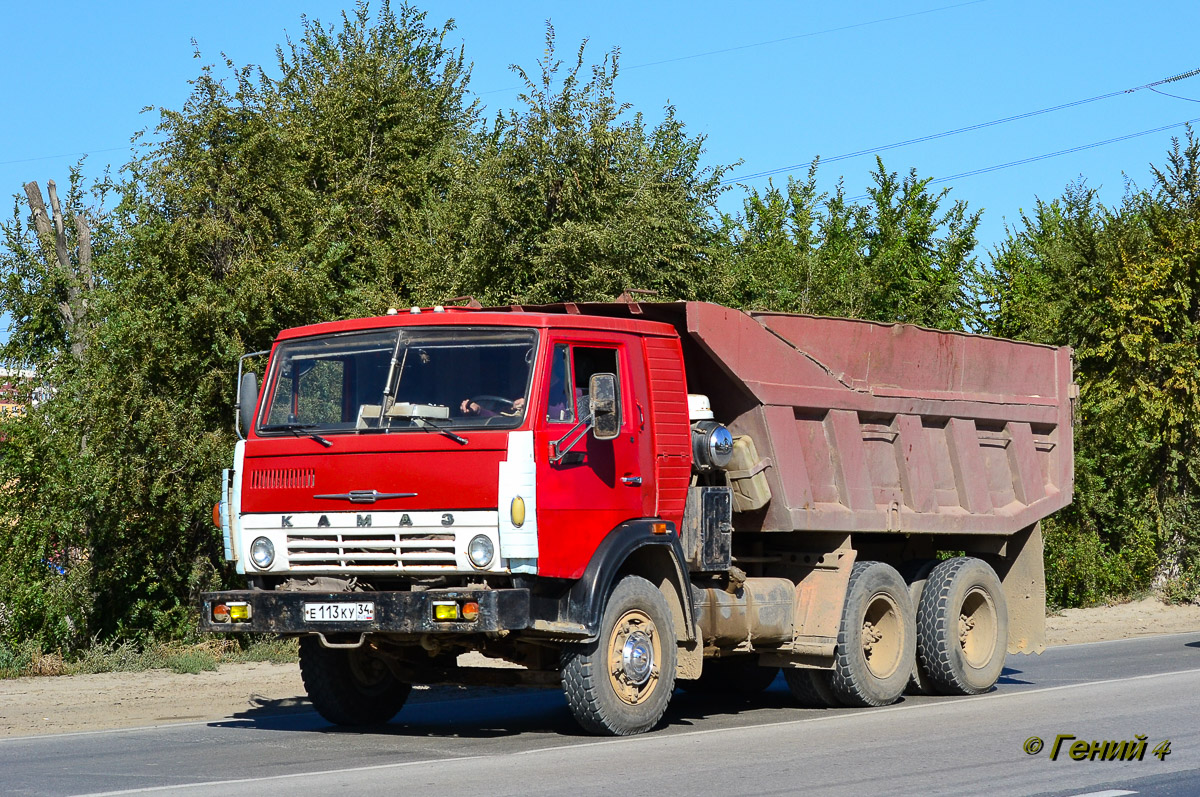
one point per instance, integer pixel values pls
(769, 84)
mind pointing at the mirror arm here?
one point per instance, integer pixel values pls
(559, 452)
(237, 405)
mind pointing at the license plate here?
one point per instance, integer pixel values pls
(361, 611)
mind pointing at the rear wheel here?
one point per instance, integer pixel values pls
(962, 624)
(737, 675)
(350, 687)
(915, 574)
(812, 688)
(621, 683)
(877, 639)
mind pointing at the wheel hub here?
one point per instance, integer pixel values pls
(978, 628)
(634, 657)
(882, 636)
(637, 658)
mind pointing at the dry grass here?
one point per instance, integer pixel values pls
(31, 660)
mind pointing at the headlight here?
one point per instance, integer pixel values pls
(262, 553)
(480, 551)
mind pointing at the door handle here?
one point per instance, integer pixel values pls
(632, 481)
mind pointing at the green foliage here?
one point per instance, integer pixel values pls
(1122, 286)
(569, 198)
(271, 202)
(900, 257)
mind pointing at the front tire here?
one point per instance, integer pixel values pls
(620, 684)
(350, 687)
(962, 627)
(877, 640)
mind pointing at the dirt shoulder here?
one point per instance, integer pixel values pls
(66, 704)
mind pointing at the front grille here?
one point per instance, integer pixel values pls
(350, 550)
(283, 479)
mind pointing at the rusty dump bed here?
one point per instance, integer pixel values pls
(862, 426)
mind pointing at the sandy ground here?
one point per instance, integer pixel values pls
(120, 700)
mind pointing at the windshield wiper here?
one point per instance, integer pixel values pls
(298, 429)
(430, 426)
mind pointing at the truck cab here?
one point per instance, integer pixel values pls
(454, 445)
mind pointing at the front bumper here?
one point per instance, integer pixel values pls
(395, 612)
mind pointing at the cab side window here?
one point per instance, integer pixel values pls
(560, 407)
(570, 371)
(588, 361)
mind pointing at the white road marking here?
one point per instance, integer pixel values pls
(1109, 793)
(873, 712)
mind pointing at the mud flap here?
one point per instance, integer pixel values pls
(1023, 577)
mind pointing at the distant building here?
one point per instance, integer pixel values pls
(15, 393)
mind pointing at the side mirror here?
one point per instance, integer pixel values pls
(606, 407)
(247, 400)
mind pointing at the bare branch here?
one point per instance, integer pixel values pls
(64, 310)
(41, 222)
(60, 232)
(83, 236)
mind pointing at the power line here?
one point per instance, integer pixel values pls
(1176, 96)
(969, 128)
(803, 35)
(807, 35)
(1046, 156)
(64, 155)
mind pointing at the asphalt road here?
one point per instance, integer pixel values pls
(526, 744)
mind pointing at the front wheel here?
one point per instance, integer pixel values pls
(350, 687)
(620, 684)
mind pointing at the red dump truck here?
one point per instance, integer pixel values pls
(624, 498)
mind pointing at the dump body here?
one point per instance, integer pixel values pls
(891, 427)
(870, 427)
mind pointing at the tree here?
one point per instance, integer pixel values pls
(569, 198)
(1122, 286)
(276, 201)
(899, 257)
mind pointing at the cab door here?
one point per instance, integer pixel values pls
(584, 492)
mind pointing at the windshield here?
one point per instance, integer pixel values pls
(400, 380)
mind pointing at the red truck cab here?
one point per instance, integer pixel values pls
(440, 427)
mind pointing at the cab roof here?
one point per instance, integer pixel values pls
(594, 316)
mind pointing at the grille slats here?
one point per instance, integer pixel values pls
(347, 549)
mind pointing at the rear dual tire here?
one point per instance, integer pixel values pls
(876, 645)
(962, 628)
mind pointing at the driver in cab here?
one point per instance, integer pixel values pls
(505, 407)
